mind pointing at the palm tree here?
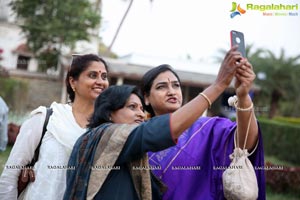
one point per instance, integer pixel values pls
(277, 78)
(280, 77)
(119, 27)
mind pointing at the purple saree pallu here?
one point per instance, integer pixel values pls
(192, 170)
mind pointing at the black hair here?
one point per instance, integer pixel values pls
(111, 99)
(147, 82)
(79, 64)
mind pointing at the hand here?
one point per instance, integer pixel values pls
(228, 68)
(244, 78)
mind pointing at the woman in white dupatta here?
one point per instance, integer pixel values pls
(86, 79)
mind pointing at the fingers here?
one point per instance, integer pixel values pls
(31, 175)
(232, 57)
(244, 65)
(228, 67)
(245, 73)
(24, 176)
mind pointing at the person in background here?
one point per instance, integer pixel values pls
(86, 79)
(3, 124)
(193, 168)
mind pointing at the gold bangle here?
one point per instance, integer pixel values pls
(233, 101)
(206, 98)
(244, 109)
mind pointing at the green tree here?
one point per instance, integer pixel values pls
(52, 24)
(277, 78)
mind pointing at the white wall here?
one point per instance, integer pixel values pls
(10, 38)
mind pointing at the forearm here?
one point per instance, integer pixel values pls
(20, 155)
(184, 117)
(243, 118)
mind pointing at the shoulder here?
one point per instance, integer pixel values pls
(61, 106)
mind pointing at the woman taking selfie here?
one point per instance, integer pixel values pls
(193, 168)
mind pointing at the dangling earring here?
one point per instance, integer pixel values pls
(110, 119)
(73, 88)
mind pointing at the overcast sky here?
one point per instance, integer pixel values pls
(177, 28)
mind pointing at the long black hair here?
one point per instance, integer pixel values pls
(111, 99)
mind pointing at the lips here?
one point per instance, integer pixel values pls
(138, 121)
(99, 90)
(172, 100)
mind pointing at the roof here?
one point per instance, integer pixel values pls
(189, 73)
(23, 50)
(197, 74)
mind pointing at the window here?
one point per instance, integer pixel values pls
(23, 62)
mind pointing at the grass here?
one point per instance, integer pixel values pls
(274, 160)
(271, 195)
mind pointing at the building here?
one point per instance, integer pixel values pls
(15, 53)
(195, 76)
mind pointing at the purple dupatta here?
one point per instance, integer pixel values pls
(192, 170)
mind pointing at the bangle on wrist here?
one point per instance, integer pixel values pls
(206, 98)
(245, 109)
(233, 101)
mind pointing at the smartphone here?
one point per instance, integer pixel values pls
(237, 38)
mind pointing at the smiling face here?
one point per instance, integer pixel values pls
(165, 94)
(91, 82)
(131, 113)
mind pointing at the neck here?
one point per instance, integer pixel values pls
(82, 110)
(83, 107)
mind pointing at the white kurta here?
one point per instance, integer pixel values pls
(50, 169)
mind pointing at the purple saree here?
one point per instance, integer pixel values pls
(193, 168)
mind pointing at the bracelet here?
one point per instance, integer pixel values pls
(245, 109)
(206, 98)
(232, 101)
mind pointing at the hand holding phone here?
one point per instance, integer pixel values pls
(237, 38)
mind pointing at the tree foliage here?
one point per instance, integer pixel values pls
(54, 23)
(280, 81)
(277, 79)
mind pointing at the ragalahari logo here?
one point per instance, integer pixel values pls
(236, 10)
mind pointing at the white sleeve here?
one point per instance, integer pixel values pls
(21, 155)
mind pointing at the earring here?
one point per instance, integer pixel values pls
(73, 88)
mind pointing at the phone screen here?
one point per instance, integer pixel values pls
(237, 38)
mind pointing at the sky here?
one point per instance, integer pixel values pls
(177, 29)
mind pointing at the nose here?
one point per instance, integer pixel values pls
(100, 80)
(141, 114)
(171, 90)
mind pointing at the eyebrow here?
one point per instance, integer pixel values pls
(133, 102)
(101, 72)
(166, 82)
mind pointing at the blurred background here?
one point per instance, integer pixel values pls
(37, 39)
